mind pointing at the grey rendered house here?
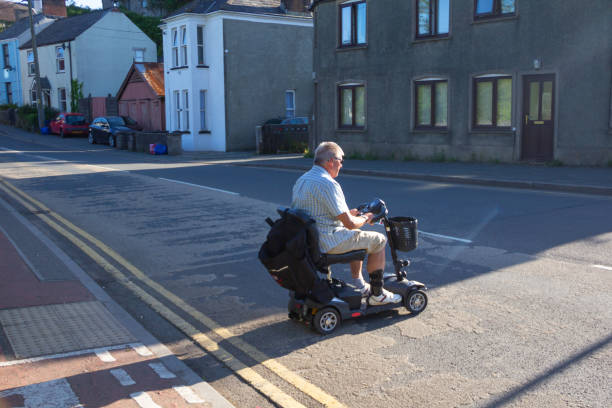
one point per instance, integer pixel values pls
(507, 80)
(232, 64)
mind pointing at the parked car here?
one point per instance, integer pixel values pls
(106, 128)
(131, 123)
(300, 120)
(273, 121)
(69, 123)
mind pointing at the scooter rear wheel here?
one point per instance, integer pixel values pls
(416, 301)
(326, 320)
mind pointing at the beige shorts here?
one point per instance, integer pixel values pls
(371, 241)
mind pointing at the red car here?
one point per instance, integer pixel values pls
(69, 123)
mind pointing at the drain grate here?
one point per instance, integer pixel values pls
(42, 330)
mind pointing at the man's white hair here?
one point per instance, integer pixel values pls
(327, 150)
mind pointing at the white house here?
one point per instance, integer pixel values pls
(95, 48)
(232, 64)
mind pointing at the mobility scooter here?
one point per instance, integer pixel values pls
(325, 313)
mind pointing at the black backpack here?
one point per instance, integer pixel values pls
(291, 254)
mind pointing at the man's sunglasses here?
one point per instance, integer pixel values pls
(341, 160)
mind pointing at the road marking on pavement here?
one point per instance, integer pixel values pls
(105, 356)
(430, 234)
(61, 355)
(607, 268)
(48, 158)
(143, 400)
(188, 394)
(161, 370)
(123, 377)
(141, 349)
(199, 186)
(248, 374)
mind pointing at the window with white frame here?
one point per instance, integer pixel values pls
(200, 33)
(61, 96)
(184, 46)
(33, 95)
(59, 59)
(138, 55)
(431, 103)
(175, 52)
(290, 103)
(203, 110)
(185, 109)
(31, 67)
(177, 110)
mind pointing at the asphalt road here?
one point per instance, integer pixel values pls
(519, 311)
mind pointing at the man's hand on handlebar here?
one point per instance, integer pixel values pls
(355, 212)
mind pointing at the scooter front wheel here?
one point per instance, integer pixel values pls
(416, 301)
(326, 320)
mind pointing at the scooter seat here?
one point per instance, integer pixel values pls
(330, 259)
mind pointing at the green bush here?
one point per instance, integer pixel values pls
(7, 106)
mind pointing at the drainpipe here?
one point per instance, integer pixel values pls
(64, 46)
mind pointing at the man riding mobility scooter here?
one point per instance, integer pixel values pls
(291, 255)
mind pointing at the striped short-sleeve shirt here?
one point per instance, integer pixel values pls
(321, 197)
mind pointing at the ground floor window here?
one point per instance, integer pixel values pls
(492, 102)
(290, 104)
(203, 110)
(9, 92)
(431, 104)
(351, 106)
(61, 96)
(185, 109)
(177, 110)
(34, 96)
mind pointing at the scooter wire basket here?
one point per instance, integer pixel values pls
(404, 233)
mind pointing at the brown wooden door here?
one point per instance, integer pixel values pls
(538, 117)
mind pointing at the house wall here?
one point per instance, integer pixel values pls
(11, 73)
(262, 56)
(262, 62)
(103, 53)
(14, 75)
(192, 78)
(48, 68)
(571, 40)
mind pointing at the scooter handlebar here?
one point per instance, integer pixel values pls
(377, 207)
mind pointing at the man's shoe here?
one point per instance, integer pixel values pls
(384, 298)
(365, 290)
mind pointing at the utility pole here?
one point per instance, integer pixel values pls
(39, 106)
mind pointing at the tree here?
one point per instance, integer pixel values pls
(76, 94)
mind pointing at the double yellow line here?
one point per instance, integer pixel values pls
(79, 237)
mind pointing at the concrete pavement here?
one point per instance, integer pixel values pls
(65, 343)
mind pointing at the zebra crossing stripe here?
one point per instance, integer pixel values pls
(105, 356)
(141, 349)
(188, 394)
(143, 400)
(161, 370)
(123, 377)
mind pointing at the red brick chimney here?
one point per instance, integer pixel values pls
(55, 8)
